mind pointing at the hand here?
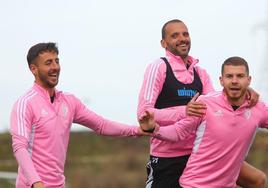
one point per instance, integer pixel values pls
(252, 97)
(147, 123)
(38, 185)
(143, 133)
(194, 108)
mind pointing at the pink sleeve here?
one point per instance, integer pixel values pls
(154, 78)
(264, 120)
(178, 131)
(20, 128)
(26, 163)
(206, 81)
(102, 126)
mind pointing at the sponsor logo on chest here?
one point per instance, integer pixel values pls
(186, 92)
(218, 113)
(44, 113)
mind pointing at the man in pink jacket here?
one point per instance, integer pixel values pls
(223, 135)
(41, 120)
(168, 87)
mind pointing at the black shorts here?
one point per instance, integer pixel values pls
(165, 172)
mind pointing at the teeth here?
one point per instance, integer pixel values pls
(182, 45)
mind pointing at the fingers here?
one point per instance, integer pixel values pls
(196, 106)
(195, 97)
(248, 95)
(147, 116)
(196, 113)
(252, 101)
(252, 97)
(147, 123)
(197, 109)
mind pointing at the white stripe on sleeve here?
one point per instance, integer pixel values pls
(21, 113)
(148, 95)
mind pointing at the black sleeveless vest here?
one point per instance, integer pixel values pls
(176, 93)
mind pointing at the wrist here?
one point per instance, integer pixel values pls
(151, 130)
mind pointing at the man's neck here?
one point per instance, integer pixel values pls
(185, 59)
(237, 102)
(186, 62)
(51, 91)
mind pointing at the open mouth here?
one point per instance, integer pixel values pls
(183, 45)
(54, 75)
(235, 89)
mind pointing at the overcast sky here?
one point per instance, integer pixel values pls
(105, 46)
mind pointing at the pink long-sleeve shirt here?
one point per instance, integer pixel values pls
(223, 138)
(154, 79)
(40, 134)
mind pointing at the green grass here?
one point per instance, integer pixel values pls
(95, 161)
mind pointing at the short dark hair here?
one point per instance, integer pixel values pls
(235, 61)
(165, 25)
(36, 49)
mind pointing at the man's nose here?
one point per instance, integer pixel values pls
(55, 65)
(234, 79)
(182, 37)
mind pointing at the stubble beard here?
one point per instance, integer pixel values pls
(46, 83)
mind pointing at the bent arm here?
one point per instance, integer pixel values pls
(178, 131)
(153, 81)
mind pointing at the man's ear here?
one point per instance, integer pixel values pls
(33, 69)
(220, 78)
(163, 43)
(249, 80)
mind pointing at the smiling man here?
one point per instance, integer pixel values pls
(223, 135)
(41, 121)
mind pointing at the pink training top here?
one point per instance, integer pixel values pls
(223, 138)
(40, 134)
(154, 79)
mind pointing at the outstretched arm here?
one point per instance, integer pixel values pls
(99, 124)
(178, 131)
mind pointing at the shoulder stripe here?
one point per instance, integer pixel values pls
(148, 94)
(21, 112)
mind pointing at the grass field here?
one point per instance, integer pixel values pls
(103, 162)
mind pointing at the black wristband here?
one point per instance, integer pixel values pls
(149, 130)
